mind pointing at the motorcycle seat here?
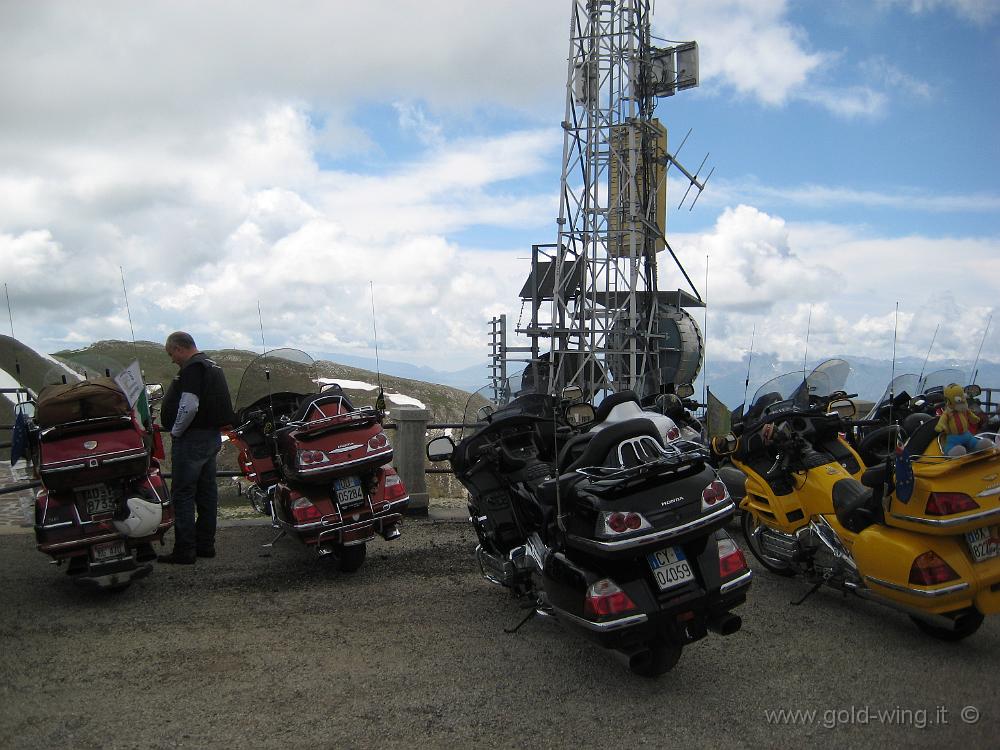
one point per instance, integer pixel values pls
(855, 505)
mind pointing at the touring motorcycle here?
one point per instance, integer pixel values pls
(918, 533)
(103, 502)
(596, 520)
(315, 463)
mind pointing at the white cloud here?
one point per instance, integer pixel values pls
(841, 284)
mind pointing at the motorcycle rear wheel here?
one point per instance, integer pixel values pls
(349, 559)
(659, 659)
(966, 623)
(748, 523)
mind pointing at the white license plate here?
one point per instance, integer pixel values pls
(670, 567)
(349, 492)
(109, 551)
(984, 544)
(97, 498)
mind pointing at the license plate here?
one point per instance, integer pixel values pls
(670, 567)
(984, 544)
(349, 492)
(109, 551)
(97, 498)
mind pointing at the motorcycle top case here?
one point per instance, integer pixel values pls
(72, 402)
(113, 450)
(351, 449)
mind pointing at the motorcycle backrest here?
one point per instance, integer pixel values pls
(607, 440)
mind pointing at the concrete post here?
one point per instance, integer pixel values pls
(408, 454)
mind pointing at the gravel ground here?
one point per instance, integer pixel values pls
(254, 651)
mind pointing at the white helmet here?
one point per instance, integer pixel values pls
(143, 518)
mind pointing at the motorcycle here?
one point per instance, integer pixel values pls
(315, 463)
(103, 501)
(918, 534)
(601, 524)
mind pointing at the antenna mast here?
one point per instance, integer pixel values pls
(609, 326)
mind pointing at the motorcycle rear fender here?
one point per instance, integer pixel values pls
(884, 556)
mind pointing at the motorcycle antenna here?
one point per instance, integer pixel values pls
(746, 384)
(267, 372)
(805, 354)
(13, 348)
(892, 397)
(380, 401)
(975, 365)
(704, 378)
(928, 356)
(128, 312)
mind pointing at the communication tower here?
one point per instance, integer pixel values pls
(597, 317)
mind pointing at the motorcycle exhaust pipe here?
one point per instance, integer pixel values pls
(727, 624)
(391, 532)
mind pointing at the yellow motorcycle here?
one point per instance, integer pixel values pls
(919, 533)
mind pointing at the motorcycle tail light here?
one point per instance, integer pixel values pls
(605, 598)
(303, 511)
(673, 433)
(929, 569)
(610, 523)
(377, 442)
(714, 493)
(394, 488)
(307, 458)
(947, 503)
(731, 559)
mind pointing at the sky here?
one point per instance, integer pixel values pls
(253, 172)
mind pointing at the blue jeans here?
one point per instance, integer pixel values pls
(192, 457)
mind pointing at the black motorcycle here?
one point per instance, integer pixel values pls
(602, 524)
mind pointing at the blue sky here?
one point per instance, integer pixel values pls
(224, 157)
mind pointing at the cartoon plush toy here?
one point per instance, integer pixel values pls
(956, 421)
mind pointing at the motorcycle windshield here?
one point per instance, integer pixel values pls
(278, 371)
(941, 378)
(908, 384)
(794, 389)
(494, 396)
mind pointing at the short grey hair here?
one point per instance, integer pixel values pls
(180, 340)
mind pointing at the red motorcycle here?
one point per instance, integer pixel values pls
(316, 464)
(103, 502)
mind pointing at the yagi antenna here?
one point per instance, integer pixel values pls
(671, 160)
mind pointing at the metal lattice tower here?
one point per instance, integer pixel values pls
(600, 279)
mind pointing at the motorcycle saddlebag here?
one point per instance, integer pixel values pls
(77, 459)
(72, 402)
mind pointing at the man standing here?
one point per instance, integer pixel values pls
(196, 406)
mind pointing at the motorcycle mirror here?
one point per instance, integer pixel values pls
(844, 407)
(685, 391)
(440, 449)
(580, 414)
(154, 391)
(724, 445)
(973, 390)
(484, 413)
(572, 393)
